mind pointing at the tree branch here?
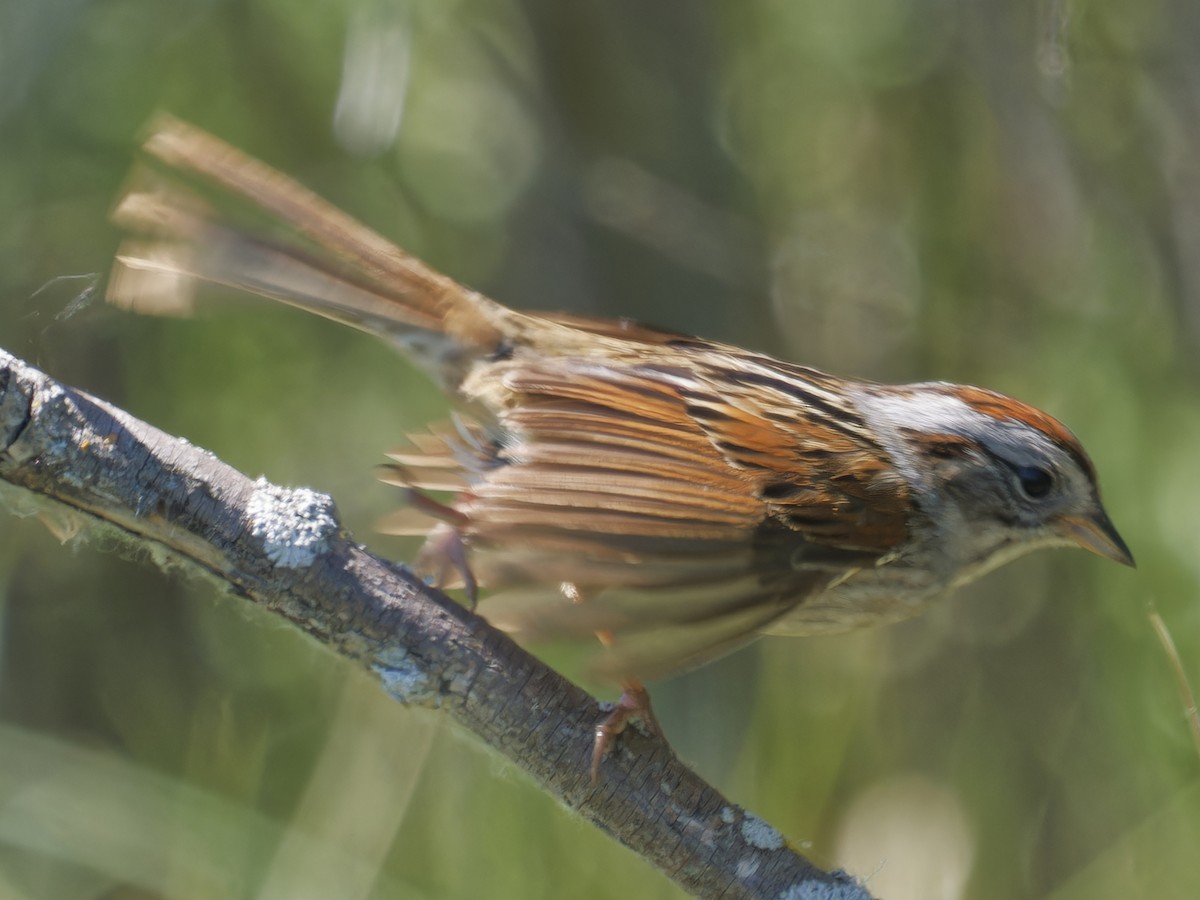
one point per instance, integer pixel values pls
(285, 549)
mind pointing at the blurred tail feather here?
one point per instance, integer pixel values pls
(333, 266)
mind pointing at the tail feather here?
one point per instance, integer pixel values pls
(334, 266)
(188, 244)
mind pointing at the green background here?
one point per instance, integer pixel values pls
(996, 193)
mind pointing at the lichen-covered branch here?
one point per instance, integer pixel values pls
(284, 549)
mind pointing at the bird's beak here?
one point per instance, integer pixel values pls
(1096, 533)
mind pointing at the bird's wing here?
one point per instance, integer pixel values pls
(629, 500)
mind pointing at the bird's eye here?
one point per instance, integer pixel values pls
(1035, 482)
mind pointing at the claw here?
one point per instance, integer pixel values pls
(633, 704)
(445, 552)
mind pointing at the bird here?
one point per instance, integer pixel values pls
(674, 496)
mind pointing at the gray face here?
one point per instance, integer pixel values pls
(1015, 477)
(992, 486)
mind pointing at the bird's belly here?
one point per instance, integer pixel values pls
(870, 597)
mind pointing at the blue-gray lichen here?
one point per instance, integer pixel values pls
(294, 524)
(759, 834)
(403, 677)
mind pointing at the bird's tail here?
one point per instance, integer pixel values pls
(329, 263)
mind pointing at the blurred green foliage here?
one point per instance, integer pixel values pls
(1005, 194)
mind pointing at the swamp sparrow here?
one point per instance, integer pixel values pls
(675, 496)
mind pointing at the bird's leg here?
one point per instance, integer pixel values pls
(634, 703)
(445, 550)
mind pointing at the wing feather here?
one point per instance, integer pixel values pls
(687, 511)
